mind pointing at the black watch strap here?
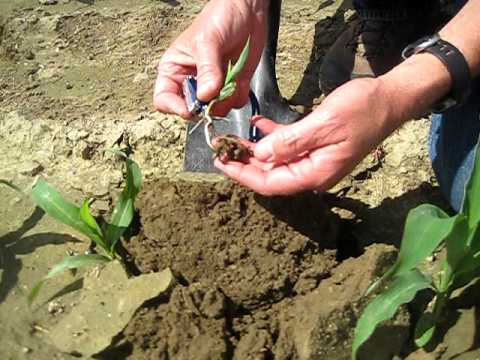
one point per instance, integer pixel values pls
(455, 63)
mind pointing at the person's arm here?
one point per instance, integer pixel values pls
(319, 150)
(421, 80)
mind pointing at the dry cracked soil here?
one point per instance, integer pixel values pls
(256, 277)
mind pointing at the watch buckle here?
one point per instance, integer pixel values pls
(419, 46)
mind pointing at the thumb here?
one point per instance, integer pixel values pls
(209, 69)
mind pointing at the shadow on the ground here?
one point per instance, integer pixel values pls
(384, 223)
(15, 243)
(327, 31)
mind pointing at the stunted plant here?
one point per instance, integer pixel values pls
(104, 235)
(426, 229)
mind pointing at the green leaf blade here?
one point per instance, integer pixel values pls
(75, 262)
(227, 91)
(88, 218)
(70, 262)
(233, 72)
(402, 290)
(124, 210)
(52, 202)
(471, 203)
(426, 227)
(424, 329)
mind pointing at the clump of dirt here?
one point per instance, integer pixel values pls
(229, 147)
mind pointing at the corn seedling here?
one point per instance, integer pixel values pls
(80, 219)
(230, 85)
(426, 229)
(228, 89)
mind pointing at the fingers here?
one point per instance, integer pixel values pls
(290, 141)
(263, 179)
(168, 95)
(208, 58)
(171, 103)
(265, 125)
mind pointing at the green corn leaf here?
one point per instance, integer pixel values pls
(70, 262)
(402, 290)
(424, 329)
(88, 219)
(12, 186)
(124, 210)
(471, 204)
(229, 70)
(461, 262)
(52, 202)
(227, 91)
(35, 291)
(426, 227)
(237, 68)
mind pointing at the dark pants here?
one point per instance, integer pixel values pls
(400, 9)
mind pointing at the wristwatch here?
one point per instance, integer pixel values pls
(455, 63)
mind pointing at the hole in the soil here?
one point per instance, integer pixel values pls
(347, 244)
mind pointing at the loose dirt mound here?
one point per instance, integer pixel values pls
(220, 235)
(249, 268)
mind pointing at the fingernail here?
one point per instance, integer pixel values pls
(205, 87)
(264, 151)
(255, 118)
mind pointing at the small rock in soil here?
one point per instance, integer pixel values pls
(31, 168)
(48, 2)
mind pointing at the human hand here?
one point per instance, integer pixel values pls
(319, 150)
(217, 35)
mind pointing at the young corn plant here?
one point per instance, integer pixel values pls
(230, 85)
(80, 219)
(426, 229)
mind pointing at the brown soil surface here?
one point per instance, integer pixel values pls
(246, 264)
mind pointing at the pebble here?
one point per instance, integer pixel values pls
(29, 55)
(75, 135)
(48, 2)
(31, 168)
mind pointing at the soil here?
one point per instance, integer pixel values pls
(257, 278)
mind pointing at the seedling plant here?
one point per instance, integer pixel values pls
(427, 228)
(228, 89)
(104, 235)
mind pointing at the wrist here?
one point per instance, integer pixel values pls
(412, 87)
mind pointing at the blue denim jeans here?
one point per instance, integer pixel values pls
(453, 141)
